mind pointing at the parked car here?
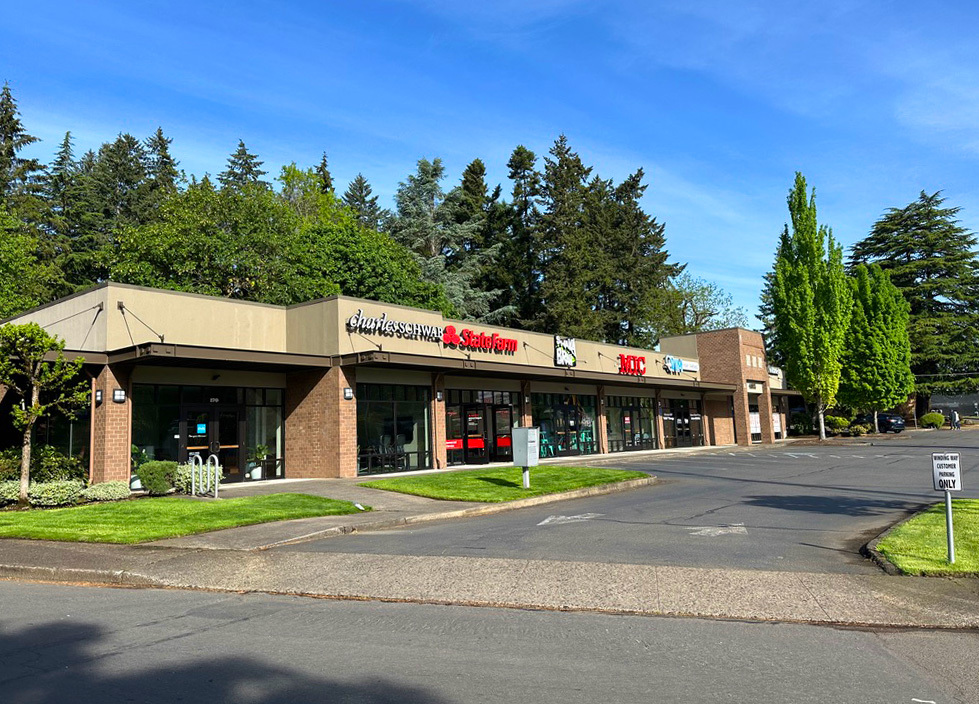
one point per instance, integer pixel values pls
(886, 422)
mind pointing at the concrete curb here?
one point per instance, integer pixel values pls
(484, 510)
(74, 575)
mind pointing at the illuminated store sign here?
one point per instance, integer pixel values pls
(676, 365)
(564, 353)
(631, 364)
(366, 325)
(472, 340)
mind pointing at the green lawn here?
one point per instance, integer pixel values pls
(139, 520)
(501, 484)
(920, 546)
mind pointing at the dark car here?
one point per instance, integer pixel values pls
(886, 422)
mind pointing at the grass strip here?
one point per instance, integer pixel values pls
(919, 546)
(502, 483)
(140, 520)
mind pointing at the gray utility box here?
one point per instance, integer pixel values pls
(526, 447)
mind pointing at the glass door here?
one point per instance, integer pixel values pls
(502, 433)
(475, 435)
(213, 431)
(681, 421)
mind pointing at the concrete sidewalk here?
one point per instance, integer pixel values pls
(244, 559)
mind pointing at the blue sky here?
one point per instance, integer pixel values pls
(719, 102)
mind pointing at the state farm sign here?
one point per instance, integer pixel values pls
(472, 340)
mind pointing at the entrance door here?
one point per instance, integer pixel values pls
(502, 433)
(474, 434)
(681, 422)
(213, 430)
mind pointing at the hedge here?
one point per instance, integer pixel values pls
(157, 476)
(62, 493)
(106, 491)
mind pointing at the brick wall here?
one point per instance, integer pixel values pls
(112, 427)
(721, 421)
(320, 426)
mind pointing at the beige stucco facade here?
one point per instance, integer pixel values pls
(319, 361)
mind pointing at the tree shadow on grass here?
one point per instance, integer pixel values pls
(499, 481)
(839, 505)
(58, 663)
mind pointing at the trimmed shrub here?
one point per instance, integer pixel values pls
(60, 493)
(932, 420)
(858, 429)
(48, 464)
(106, 491)
(836, 424)
(9, 491)
(157, 476)
(181, 480)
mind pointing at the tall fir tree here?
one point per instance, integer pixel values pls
(161, 167)
(21, 179)
(244, 168)
(932, 260)
(519, 270)
(324, 176)
(811, 303)
(359, 198)
(876, 371)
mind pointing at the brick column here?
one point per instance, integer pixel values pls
(320, 425)
(660, 428)
(602, 422)
(705, 425)
(741, 419)
(765, 410)
(439, 453)
(112, 427)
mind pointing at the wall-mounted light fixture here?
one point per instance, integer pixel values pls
(118, 395)
(348, 394)
(438, 396)
(98, 397)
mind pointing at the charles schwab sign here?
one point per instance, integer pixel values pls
(366, 325)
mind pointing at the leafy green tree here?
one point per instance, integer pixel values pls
(691, 304)
(24, 281)
(21, 179)
(358, 198)
(324, 176)
(244, 169)
(232, 242)
(876, 372)
(932, 260)
(811, 302)
(45, 386)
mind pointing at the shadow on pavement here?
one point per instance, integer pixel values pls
(841, 505)
(58, 663)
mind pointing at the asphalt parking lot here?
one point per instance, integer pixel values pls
(786, 507)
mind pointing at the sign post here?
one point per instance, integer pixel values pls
(945, 473)
(526, 451)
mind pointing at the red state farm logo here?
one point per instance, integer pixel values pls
(449, 337)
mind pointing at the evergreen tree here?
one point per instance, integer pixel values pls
(243, 168)
(876, 371)
(359, 199)
(161, 167)
(811, 302)
(519, 270)
(932, 260)
(325, 178)
(21, 180)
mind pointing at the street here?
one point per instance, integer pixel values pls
(61, 644)
(799, 508)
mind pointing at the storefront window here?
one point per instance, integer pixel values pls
(631, 423)
(393, 428)
(478, 426)
(566, 422)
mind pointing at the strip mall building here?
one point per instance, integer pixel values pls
(342, 387)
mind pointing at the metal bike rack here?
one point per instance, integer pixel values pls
(204, 478)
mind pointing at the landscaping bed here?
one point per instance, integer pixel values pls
(154, 518)
(919, 546)
(502, 483)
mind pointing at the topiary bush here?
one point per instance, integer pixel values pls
(836, 424)
(106, 491)
(858, 429)
(59, 493)
(157, 476)
(9, 491)
(932, 420)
